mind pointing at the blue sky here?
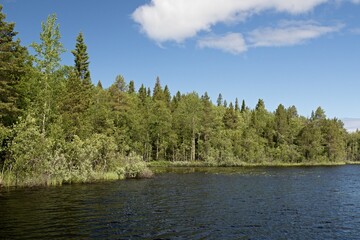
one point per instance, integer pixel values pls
(296, 52)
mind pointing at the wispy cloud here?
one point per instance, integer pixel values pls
(355, 31)
(177, 20)
(351, 124)
(232, 42)
(289, 33)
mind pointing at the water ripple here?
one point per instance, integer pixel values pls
(263, 203)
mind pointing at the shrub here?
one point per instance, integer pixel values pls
(135, 167)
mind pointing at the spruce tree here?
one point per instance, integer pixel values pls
(158, 91)
(142, 93)
(167, 95)
(225, 104)
(230, 117)
(243, 106)
(81, 60)
(12, 69)
(219, 100)
(237, 108)
(99, 85)
(131, 87)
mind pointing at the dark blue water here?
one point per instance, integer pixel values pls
(260, 203)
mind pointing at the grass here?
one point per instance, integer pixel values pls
(9, 180)
(142, 170)
(353, 163)
(156, 164)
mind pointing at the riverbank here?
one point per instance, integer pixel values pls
(244, 164)
(142, 170)
(134, 170)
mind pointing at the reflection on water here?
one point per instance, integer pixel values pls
(230, 203)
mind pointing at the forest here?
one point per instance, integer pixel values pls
(57, 126)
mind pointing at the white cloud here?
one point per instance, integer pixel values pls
(289, 33)
(177, 20)
(232, 42)
(355, 31)
(351, 124)
(355, 1)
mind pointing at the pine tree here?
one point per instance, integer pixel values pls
(319, 114)
(73, 106)
(131, 87)
(219, 100)
(12, 69)
(243, 106)
(142, 93)
(260, 106)
(99, 85)
(81, 60)
(175, 101)
(230, 117)
(120, 84)
(225, 104)
(167, 95)
(158, 91)
(237, 108)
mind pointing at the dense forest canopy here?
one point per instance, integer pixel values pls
(56, 124)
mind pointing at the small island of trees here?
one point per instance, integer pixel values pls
(57, 127)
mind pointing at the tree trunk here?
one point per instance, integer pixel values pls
(157, 148)
(192, 157)
(193, 149)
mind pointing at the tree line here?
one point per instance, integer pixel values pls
(57, 126)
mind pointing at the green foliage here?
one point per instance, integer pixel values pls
(136, 168)
(30, 151)
(48, 51)
(72, 131)
(47, 58)
(81, 60)
(13, 67)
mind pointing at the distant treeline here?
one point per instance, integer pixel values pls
(56, 126)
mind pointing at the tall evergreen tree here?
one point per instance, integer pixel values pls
(243, 106)
(142, 94)
(167, 95)
(12, 68)
(225, 104)
(230, 118)
(260, 106)
(81, 70)
(219, 100)
(99, 85)
(237, 108)
(81, 60)
(131, 87)
(158, 91)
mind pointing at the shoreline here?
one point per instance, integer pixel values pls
(165, 164)
(162, 165)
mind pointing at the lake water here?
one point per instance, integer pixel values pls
(232, 203)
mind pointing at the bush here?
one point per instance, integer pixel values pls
(135, 167)
(30, 151)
